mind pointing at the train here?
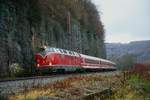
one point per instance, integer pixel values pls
(56, 59)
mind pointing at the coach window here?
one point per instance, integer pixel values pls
(56, 50)
(61, 50)
(52, 50)
(65, 51)
(49, 50)
(76, 54)
(70, 52)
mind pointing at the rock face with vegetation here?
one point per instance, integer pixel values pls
(25, 25)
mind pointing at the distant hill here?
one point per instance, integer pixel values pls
(141, 49)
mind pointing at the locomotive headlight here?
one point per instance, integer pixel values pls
(38, 65)
(50, 63)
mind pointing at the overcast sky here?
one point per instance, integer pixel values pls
(125, 20)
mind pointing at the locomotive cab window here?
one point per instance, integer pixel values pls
(41, 49)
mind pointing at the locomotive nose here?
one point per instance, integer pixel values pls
(41, 61)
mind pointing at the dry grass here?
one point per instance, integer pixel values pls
(126, 93)
(32, 94)
(69, 88)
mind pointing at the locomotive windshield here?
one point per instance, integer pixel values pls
(44, 51)
(41, 49)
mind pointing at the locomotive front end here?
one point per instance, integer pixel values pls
(44, 59)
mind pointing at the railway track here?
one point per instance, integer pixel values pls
(21, 84)
(29, 78)
(48, 76)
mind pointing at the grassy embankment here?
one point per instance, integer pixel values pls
(130, 87)
(71, 88)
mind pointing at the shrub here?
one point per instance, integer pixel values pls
(16, 70)
(134, 81)
(141, 85)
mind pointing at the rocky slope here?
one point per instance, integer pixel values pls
(25, 25)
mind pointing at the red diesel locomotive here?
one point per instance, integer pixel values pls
(61, 59)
